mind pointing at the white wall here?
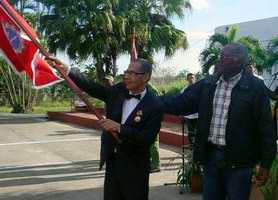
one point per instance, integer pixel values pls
(263, 29)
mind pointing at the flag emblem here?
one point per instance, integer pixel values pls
(20, 50)
(13, 37)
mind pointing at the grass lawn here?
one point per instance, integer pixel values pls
(46, 106)
(39, 109)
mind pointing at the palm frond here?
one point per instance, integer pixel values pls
(218, 40)
(231, 35)
(208, 58)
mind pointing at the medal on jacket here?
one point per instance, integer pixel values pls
(137, 118)
(139, 113)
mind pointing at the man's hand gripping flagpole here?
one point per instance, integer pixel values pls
(63, 69)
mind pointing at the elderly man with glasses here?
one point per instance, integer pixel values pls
(132, 113)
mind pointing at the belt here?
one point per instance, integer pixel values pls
(216, 146)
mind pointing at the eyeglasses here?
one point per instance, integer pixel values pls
(132, 73)
(226, 57)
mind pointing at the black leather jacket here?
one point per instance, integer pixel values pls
(250, 136)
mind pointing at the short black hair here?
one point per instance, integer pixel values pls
(242, 52)
(145, 65)
(189, 74)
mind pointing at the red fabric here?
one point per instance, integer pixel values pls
(21, 53)
(133, 53)
(5, 46)
(18, 18)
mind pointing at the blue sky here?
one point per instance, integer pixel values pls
(200, 24)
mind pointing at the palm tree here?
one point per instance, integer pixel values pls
(257, 54)
(101, 30)
(272, 50)
(18, 90)
(154, 29)
(210, 55)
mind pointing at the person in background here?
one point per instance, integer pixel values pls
(79, 104)
(252, 68)
(133, 117)
(271, 94)
(234, 130)
(191, 120)
(108, 80)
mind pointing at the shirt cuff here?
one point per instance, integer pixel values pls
(67, 69)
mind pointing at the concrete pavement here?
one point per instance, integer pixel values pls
(46, 160)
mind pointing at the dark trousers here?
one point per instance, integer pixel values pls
(225, 182)
(124, 182)
(112, 190)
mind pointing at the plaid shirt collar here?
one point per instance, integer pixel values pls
(234, 78)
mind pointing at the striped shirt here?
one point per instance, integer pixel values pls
(221, 103)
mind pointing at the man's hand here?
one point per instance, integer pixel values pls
(56, 63)
(110, 125)
(261, 176)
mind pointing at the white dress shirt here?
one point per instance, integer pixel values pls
(129, 105)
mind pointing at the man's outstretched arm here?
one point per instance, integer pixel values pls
(184, 103)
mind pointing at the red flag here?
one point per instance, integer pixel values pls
(20, 51)
(133, 53)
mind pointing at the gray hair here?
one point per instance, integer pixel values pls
(145, 65)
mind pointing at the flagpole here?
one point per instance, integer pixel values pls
(133, 52)
(71, 84)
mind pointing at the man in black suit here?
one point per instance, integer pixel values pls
(132, 113)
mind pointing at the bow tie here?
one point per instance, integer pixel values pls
(137, 96)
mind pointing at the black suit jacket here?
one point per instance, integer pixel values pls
(140, 128)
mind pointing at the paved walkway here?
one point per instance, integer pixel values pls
(45, 160)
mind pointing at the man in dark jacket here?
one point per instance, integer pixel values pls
(132, 113)
(234, 129)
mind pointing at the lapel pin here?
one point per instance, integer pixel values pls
(137, 119)
(139, 113)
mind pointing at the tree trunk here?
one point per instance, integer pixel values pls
(20, 92)
(108, 65)
(100, 71)
(114, 65)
